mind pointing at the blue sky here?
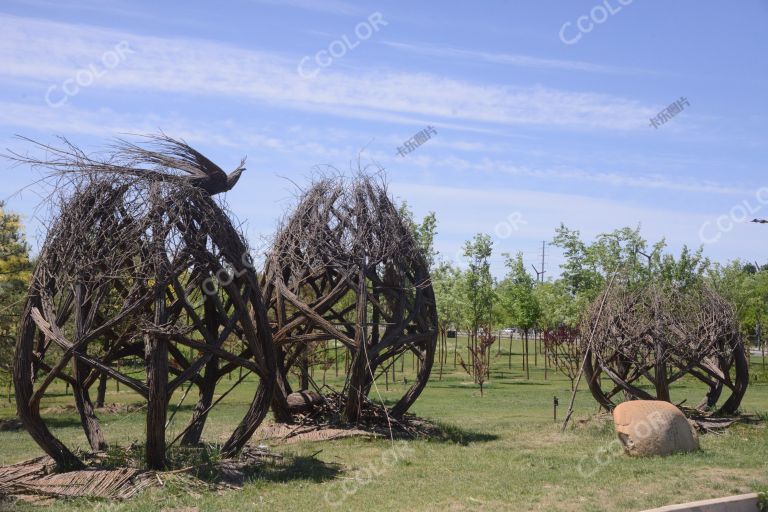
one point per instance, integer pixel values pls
(542, 108)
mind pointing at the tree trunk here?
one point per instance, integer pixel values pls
(455, 348)
(205, 399)
(208, 382)
(527, 362)
(440, 355)
(357, 376)
(662, 386)
(79, 370)
(156, 354)
(304, 375)
(280, 395)
(157, 382)
(101, 391)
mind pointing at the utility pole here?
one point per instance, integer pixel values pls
(540, 273)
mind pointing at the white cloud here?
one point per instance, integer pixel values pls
(49, 52)
(509, 59)
(617, 179)
(317, 145)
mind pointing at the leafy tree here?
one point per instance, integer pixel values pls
(558, 307)
(423, 232)
(15, 273)
(517, 294)
(477, 285)
(446, 282)
(746, 287)
(588, 266)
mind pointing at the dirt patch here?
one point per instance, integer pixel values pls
(325, 420)
(280, 433)
(106, 409)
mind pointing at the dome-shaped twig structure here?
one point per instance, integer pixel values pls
(141, 267)
(657, 335)
(344, 266)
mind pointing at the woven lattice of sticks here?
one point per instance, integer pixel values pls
(345, 268)
(141, 269)
(657, 335)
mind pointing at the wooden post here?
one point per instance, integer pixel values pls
(207, 386)
(79, 370)
(360, 362)
(156, 357)
(157, 383)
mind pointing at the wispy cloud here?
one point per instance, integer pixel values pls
(25, 118)
(115, 7)
(318, 146)
(509, 59)
(329, 6)
(48, 52)
(613, 179)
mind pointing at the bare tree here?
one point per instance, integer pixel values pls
(562, 348)
(479, 364)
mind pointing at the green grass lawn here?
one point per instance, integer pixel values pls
(503, 451)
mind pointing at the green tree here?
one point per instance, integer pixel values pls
(588, 266)
(517, 294)
(477, 286)
(15, 272)
(446, 282)
(424, 232)
(558, 307)
(746, 288)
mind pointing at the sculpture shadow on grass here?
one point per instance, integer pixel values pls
(297, 468)
(461, 436)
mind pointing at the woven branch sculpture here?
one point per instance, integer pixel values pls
(141, 267)
(658, 334)
(345, 267)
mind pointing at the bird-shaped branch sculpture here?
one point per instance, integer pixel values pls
(158, 157)
(168, 153)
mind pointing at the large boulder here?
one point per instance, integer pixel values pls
(652, 427)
